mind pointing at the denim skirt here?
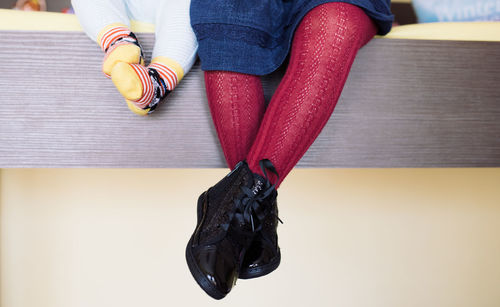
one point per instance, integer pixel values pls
(254, 36)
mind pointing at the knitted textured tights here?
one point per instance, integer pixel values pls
(237, 105)
(323, 50)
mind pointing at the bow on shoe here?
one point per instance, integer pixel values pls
(248, 207)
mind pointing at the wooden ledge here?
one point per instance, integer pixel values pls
(407, 103)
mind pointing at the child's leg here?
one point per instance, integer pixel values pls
(176, 45)
(174, 54)
(323, 50)
(107, 23)
(237, 105)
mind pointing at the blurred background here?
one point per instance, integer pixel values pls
(405, 11)
(402, 8)
(49, 5)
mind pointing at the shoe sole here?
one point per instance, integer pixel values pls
(198, 275)
(200, 278)
(261, 270)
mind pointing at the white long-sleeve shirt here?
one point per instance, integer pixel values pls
(174, 38)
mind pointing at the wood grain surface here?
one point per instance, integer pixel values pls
(407, 103)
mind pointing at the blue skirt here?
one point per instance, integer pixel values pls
(254, 36)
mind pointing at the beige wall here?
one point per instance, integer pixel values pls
(75, 238)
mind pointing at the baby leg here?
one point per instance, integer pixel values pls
(173, 56)
(106, 22)
(176, 45)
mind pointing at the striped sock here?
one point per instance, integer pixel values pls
(143, 86)
(157, 81)
(148, 87)
(120, 45)
(111, 35)
(168, 75)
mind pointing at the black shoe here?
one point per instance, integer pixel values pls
(263, 255)
(229, 216)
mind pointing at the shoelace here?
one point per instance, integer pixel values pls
(249, 206)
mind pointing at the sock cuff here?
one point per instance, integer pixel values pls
(169, 70)
(147, 86)
(111, 34)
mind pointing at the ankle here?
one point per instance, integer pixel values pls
(265, 169)
(119, 45)
(114, 33)
(168, 70)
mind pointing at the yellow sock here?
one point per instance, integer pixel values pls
(119, 43)
(169, 70)
(127, 53)
(129, 79)
(144, 87)
(136, 109)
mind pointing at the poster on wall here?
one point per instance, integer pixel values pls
(457, 10)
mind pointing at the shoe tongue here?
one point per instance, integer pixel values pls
(254, 182)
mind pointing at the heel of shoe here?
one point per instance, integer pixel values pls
(260, 271)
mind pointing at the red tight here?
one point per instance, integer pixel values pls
(323, 49)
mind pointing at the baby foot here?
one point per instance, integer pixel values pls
(120, 45)
(142, 87)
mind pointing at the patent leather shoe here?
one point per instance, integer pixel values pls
(230, 214)
(263, 256)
